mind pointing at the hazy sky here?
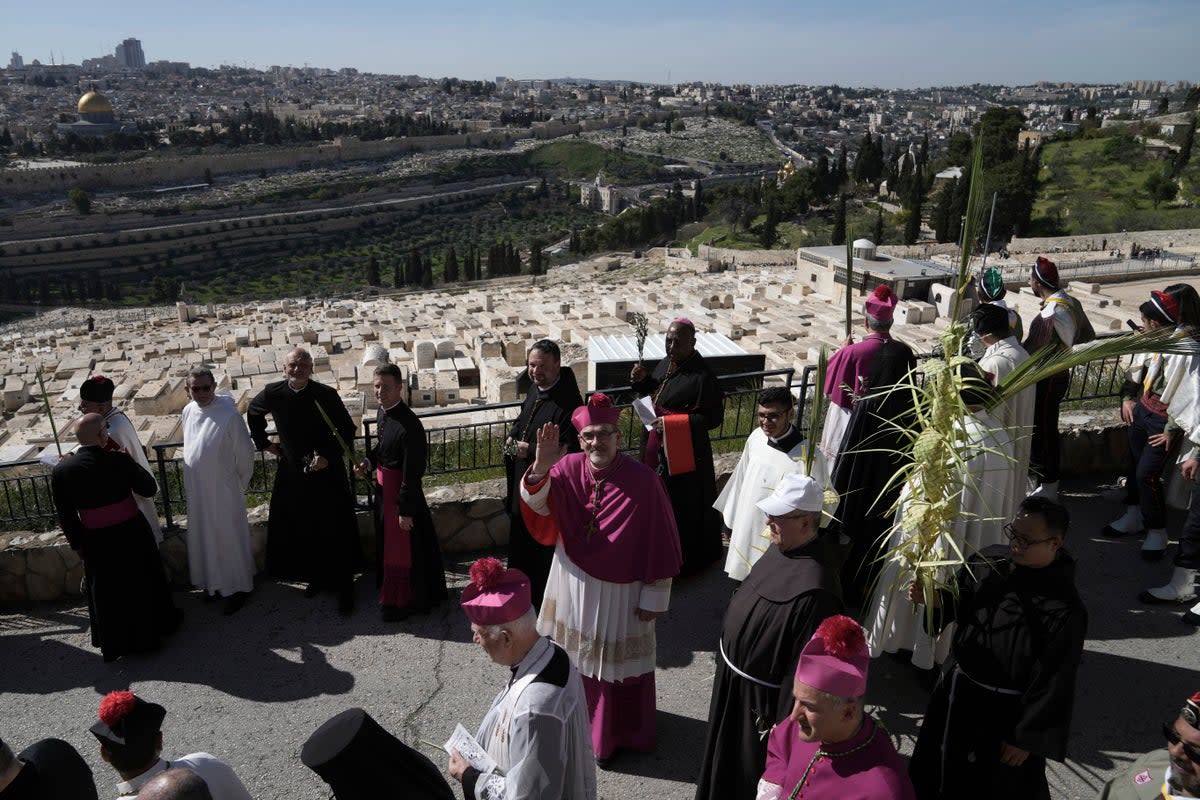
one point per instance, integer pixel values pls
(889, 43)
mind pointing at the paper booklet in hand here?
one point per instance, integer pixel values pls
(470, 749)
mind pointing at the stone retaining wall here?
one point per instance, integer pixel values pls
(41, 568)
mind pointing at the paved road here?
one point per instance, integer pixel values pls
(251, 688)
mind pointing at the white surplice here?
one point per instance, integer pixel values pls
(758, 472)
(218, 461)
(122, 431)
(987, 489)
(1015, 415)
(537, 731)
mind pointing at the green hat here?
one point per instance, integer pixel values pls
(991, 284)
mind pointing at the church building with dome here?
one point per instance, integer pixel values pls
(96, 118)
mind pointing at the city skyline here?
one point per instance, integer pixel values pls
(924, 43)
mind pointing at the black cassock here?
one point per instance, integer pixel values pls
(870, 454)
(553, 405)
(311, 532)
(1010, 678)
(402, 447)
(129, 601)
(691, 389)
(771, 616)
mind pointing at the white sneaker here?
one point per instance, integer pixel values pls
(1180, 589)
(1155, 544)
(1192, 615)
(1127, 523)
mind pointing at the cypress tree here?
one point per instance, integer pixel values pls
(450, 266)
(912, 230)
(879, 227)
(839, 222)
(373, 271)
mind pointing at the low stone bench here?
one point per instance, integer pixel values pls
(41, 567)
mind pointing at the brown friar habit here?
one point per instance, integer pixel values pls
(1010, 678)
(770, 618)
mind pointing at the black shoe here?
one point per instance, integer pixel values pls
(608, 760)
(234, 603)
(346, 602)
(394, 613)
(1191, 618)
(311, 591)
(1113, 533)
(211, 598)
(1152, 555)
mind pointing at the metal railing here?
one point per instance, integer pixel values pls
(473, 451)
(470, 451)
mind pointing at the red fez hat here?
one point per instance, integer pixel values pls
(1191, 711)
(835, 659)
(1045, 272)
(127, 719)
(495, 595)
(598, 411)
(97, 389)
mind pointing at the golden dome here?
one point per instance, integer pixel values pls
(94, 103)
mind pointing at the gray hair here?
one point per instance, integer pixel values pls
(877, 324)
(522, 624)
(840, 701)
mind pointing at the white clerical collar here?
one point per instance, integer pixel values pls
(393, 405)
(301, 389)
(786, 434)
(131, 787)
(551, 386)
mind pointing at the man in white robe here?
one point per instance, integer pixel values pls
(1002, 355)
(987, 483)
(218, 461)
(774, 449)
(95, 397)
(536, 733)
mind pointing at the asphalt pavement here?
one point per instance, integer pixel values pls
(252, 687)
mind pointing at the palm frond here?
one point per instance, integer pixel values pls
(817, 418)
(1047, 362)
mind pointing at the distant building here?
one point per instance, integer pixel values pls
(601, 196)
(824, 268)
(16, 62)
(129, 54)
(96, 117)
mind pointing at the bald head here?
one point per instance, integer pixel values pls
(90, 429)
(298, 367)
(177, 783)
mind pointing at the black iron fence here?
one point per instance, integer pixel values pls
(474, 450)
(456, 453)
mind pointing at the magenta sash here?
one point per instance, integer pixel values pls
(396, 588)
(109, 515)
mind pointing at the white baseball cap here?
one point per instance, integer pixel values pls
(795, 492)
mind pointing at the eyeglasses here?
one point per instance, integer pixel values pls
(201, 388)
(1023, 542)
(785, 517)
(1172, 737)
(770, 416)
(594, 436)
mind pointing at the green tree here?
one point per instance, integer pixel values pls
(80, 200)
(1164, 103)
(450, 266)
(535, 257)
(373, 271)
(912, 227)
(768, 233)
(879, 227)
(838, 236)
(998, 129)
(1185, 148)
(1160, 187)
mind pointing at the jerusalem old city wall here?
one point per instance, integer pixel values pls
(152, 171)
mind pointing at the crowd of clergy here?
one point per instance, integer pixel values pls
(599, 534)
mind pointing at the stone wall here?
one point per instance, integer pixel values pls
(41, 568)
(1188, 238)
